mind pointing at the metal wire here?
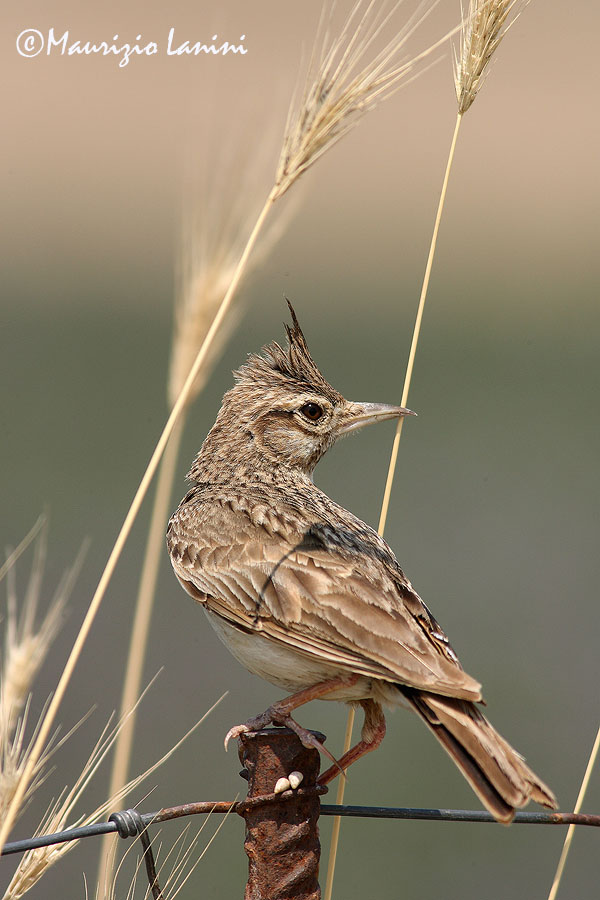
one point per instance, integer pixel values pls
(364, 812)
(129, 823)
(459, 815)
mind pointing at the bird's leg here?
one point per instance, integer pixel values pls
(372, 734)
(280, 714)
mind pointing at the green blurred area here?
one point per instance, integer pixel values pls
(494, 517)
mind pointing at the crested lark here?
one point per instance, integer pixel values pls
(306, 595)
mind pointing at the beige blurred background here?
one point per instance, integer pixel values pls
(494, 512)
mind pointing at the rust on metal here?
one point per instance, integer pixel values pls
(193, 809)
(369, 812)
(282, 836)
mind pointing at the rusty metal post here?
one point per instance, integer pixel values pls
(282, 836)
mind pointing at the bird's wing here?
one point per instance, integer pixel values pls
(307, 594)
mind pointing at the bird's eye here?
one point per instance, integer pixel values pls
(312, 411)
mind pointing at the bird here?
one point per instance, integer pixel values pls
(309, 597)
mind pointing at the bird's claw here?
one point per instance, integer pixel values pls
(235, 733)
(250, 726)
(278, 715)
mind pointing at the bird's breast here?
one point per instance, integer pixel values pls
(281, 665)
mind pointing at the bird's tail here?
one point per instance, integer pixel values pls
(496, 772)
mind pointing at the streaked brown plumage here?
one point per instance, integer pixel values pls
(307, 595)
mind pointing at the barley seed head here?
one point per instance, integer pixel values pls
(343, 83)
(484, 27)
(221, 205)
(26, 640)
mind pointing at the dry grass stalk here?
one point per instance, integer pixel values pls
(571, 829)
(485, 25)
(35, 863)
(482, 30)
(337, 821)
(417, 331)
(180, 870)
(325, 116)
(174, 870)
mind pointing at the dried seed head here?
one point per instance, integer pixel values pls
(34, 863)
(341, 86)
(219, 215)
(26, 641)
(483, 29)
(14, 752)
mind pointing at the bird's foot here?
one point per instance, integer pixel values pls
(279, 714)
(252, 725)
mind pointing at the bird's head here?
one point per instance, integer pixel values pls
(282, 407)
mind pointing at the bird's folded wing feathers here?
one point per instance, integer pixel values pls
(346, 612)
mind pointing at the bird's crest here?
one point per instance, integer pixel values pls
(289, 366)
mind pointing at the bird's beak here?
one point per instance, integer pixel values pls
(357, 415)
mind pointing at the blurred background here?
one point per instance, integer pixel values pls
(494, 511)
